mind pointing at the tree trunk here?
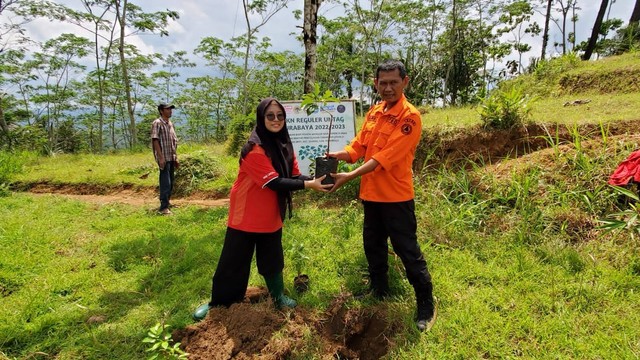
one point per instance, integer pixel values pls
(245, 75)
(595, 31)
(545, 34)
(452, 64)
(3, 125)
(635, 15)
(122, 19)
(310, 41)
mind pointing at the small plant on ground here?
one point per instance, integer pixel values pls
(505, 109)
(626, 220)
(298, 256)
(160, 346)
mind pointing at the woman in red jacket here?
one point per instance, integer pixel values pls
(259, 200)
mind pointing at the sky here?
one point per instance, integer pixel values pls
(224, 19)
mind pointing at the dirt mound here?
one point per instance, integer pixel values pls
(486, 146)
(257, 331)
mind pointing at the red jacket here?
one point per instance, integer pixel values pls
(627, 170)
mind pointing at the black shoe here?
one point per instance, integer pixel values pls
(425, 323)
(426, 307)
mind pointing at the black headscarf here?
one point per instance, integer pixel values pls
(278, 148)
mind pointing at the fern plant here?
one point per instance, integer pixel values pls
(505, 109)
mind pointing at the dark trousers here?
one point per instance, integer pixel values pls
(396, 221)
(166, 183)
(231, 278)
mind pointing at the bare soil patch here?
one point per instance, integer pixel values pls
(254, 329)
(122, 194)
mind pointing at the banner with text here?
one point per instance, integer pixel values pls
(310, 133)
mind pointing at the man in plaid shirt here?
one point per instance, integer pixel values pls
(165, 145)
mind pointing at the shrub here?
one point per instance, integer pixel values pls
(551, 69)
(194, 170)
(239, 131)
(11, 163)
(505, 109)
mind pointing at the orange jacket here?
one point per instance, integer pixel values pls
(391, 139)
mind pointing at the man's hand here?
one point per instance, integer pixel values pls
(340, 179)
(340, 155)
(177, 164)
(161, 164)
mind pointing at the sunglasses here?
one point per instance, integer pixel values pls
(272, 117)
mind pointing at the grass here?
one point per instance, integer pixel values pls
(520, 265)
(126, 168)
(116, 263)
(516, 273)
(601, 108)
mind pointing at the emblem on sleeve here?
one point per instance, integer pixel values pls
(406, 129)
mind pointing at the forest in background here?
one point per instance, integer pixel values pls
(51, 101)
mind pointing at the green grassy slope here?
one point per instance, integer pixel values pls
(521, 265)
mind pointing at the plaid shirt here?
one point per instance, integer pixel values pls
(166, 134)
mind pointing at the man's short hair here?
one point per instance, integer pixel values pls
(390, 65)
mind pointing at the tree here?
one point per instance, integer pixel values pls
(55, 66)
(266, 9)
(121, 14)
(369, 26)
(102, 18)
(222, 56)
(564, 9)
(128, 14)
(545, 32)
(596, 30)
(574, 21)
(9, 65)
(517, 21)
(13, 30)
(460, 63)
(98, 10)
(206, 97)
(171, 62)
(635, 14)
(309, 32)
(337, 59)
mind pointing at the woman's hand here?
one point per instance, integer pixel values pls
(316, 184)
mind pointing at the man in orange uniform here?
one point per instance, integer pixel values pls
(387, 142)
